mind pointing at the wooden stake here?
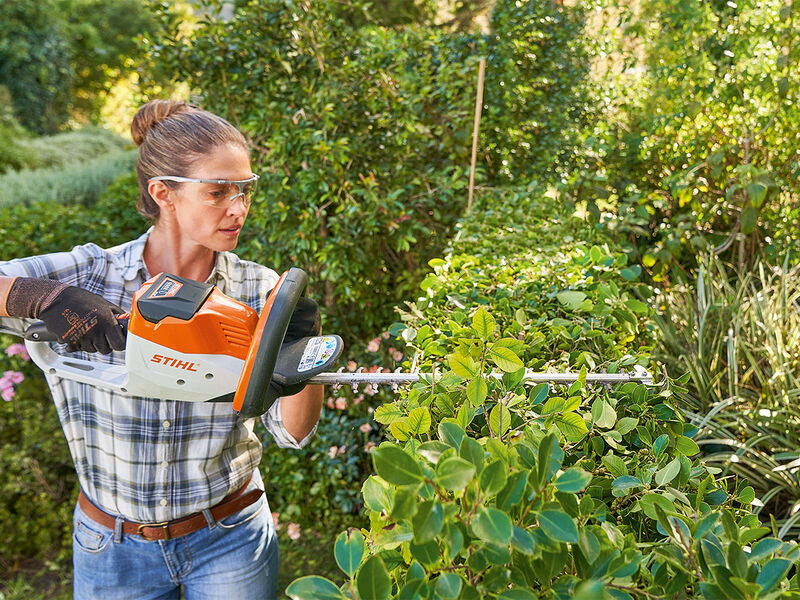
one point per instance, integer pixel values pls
(478, 106)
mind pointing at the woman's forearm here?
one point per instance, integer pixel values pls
(301, 412)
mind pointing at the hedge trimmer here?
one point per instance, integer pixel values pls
(188, 341)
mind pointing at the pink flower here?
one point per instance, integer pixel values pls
(385, 335)
(397, 355)
(293, 531)
(6, 383)
(18, 349)
(351, 365)
(341, 403)
(370, 410)
(357, 400)
(333, 451)
(369, 446)
(275, 516)
(15, 376)
(371, 390)
(8, 394)
(330, 403)
(374, 345)
(365, 428)
(342, 449)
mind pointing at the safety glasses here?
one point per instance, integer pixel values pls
(219, 192)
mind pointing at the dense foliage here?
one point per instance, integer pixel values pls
(59, 57)
(362, 136)
(487, 488)
(700, 146)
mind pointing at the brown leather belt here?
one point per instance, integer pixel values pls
(230, 504)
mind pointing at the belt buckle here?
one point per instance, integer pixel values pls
(164, 525)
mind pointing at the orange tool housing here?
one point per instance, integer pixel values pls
(221, 325)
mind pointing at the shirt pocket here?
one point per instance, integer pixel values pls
(90, 537)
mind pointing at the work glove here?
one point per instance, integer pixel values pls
(305, 321)
(81, 319)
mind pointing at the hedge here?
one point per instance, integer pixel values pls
(486, 488)
(71, 184)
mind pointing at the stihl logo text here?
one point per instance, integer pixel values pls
(174, 362)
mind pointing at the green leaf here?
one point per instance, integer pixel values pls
(558, 526)
(372, 580)
(387, 414)
(462, 365)
(348, 550)
(756, 192)
(493, 526)
(539, 394)
(518, 593)
(522, 541)
(451, 434)
(493, 478)
(448, 585)
(376, 494)
(419, 420)
(477, 390)
(623, 484)
(660, 444)
(405, 503)
(505, 359)
(499, 419)
(571, 425)
(687, 446)
(483, 323)
(313, 587)
(749, 219)
(432, 450)
(571, 299)
(395, 466)
(648, 502)
(615, 465)
(573, 480)
(428, 521)
(454, 473)
(669, 472)
(603, 414)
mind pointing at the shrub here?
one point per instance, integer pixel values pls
(699, 144)
(73, 148)
(737, 334)
(362, 135)
(70, 185)
(14, 153)
(486, 488)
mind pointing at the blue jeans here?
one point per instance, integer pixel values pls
(237, 558)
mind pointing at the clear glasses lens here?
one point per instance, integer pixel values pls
(225, 194)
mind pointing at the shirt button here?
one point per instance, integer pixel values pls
(163, 502)
(166, 424)
(165, 464)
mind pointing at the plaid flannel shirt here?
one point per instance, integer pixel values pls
(145, 459)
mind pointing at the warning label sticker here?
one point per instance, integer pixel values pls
(167, 288)
(317, 352)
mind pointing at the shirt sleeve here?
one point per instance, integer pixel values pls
(274, 423)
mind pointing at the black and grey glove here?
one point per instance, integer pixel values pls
(81, 319)
(305, 321)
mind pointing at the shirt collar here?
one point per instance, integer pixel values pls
(132, 262)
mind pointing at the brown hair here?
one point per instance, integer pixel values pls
(172, 135)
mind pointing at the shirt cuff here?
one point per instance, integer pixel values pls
(274, 423)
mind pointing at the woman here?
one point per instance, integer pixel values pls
(171, 495)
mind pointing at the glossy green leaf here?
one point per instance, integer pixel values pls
(454, 473)
(348, 550)
(372, 581)
(573, 480)
(493, 478)
(396, 466)
(313, 587)
(477, 390)
(505, 359)
(492, 525)
(428, 521)
(448, 585)
(558, 526)
(483, 323)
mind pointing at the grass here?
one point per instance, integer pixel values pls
(738, 336)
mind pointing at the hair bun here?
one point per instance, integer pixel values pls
(153, 113)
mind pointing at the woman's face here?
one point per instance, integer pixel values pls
(198, 219)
